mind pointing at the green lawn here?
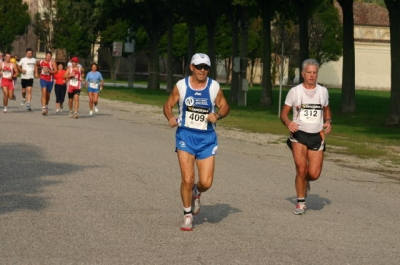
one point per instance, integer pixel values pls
(363, 134)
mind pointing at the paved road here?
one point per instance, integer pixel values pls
(104, 189)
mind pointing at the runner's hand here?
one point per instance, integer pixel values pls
(173, 122)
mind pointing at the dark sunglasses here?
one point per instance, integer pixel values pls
(202, 66)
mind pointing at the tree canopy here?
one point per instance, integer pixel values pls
(14, 20)
(223, 29)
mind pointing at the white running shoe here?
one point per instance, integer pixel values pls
(300, 208)
(91, 113)
(5, 110)
(96, 109)
(187, 223)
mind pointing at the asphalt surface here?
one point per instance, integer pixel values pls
(104, 189)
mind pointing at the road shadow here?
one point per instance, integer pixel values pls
(214, 213)
(22, 168)
(314, 202)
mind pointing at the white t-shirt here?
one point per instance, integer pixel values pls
(308, 107)
(27, 64)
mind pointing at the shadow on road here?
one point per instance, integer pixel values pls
(314, 202)
(214, 213)
(22, 168)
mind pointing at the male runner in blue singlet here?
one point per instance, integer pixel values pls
(197, 97)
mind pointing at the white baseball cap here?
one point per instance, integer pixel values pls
(201, 58)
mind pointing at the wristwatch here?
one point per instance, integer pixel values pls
(330, 120)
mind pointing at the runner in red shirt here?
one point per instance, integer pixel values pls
(75, 75)
(60, 88)
(48, 69)
(8, 71)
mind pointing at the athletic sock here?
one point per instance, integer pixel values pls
(301, 199)
(187, 210)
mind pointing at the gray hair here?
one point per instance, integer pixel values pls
(309, 62)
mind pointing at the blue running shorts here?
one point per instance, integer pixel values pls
(94, 90)
(200, 144)
(46, 84)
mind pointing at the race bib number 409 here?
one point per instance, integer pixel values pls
(196, 118)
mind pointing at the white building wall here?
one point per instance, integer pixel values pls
(372, 68)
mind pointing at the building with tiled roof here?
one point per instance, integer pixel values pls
(372, 49)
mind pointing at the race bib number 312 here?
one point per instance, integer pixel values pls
(311, 113)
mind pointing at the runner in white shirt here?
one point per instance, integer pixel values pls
(312, 119)
(27, 68)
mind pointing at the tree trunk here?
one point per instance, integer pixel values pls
(266, 86)
(154, 67)
(348, 104)
(191, 44)
(211, 47)
(304, 52)
(227, 70)
(244, 60)
(170, 64)
(394, 18)
(235, 53)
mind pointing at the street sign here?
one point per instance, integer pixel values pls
(117, 49)
(129, 47)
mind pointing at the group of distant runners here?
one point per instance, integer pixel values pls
(65, 80)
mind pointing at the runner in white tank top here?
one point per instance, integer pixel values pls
(312, 119)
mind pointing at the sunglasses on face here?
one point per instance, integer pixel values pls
(202, 66)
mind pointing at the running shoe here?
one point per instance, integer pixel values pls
(96, 109)
(14, 98)
(5, 110)
(71, 114)
(76, 115)
(187, 223)
(28, 106)
(23, 101)
(44, 111)
(57, 111)
(195, 200)
(90, 112)
(300, 208)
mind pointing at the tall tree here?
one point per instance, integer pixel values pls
(147, 14)
(14, 19)
(393, 7)
(233, 13)
(170, 7)
(325, 34)
(43, 25)
(152, 15)
(305, 9)
(268, 13)
(348, 101)
(116, 31)
(75, 27)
